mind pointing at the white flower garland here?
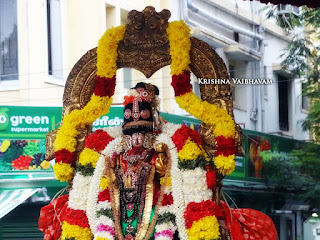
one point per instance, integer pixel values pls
(112, 147)
(195, 186)
(168, 131)
(104, 205)
(79, 192)
(113, 131)
(167, 209)
(178, 207)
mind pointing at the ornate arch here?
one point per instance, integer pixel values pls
(205, 63)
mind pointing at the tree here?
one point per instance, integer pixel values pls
(302, 58)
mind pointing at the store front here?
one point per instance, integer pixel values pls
(28, 183)
(27, 180)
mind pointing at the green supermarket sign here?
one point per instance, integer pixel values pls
(28, 122)
(17, 122)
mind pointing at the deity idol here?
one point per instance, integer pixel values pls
(149, 179)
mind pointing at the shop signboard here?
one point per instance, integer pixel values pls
(23, 130)
(258, 144)
(27, 122)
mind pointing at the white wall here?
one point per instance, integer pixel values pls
(83, 23)
(245, 14)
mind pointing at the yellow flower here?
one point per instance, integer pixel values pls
(64, 142)
(179, 40)
(45, 164)
(101, 238)
(206, 228)
(64, 172)
(5, 145)
(75, 232)
(78, 119)
(190, 151)
(104, 184)
(208, 113)
(168, 181)
(225, 165)
(89, 156)
(107, 51)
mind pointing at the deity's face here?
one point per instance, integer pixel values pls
(137, 139)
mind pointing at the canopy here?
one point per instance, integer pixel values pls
(10, 199)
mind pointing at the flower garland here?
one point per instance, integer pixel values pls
(189, 160)
(98, 205)
(224, 127)
(168, 131)
(76, 217)
(99, 104)
(197, 185)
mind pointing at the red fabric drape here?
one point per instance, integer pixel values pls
(51, 217)
(248, 224)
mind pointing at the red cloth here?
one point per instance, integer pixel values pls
(51, 218)
(248, 224)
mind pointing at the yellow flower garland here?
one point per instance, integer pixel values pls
(89, 156)
(206, 228)
(75, 232)
(208, 113)
(107, 51)
(190, 151)
(180, 45)
(225, 165)
(179, 38)
(64, 172)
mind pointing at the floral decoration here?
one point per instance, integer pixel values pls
(224, 126)
(191, 175)
(98, 105)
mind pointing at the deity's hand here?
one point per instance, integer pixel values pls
(161, 161)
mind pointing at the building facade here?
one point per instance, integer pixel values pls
(41, 40)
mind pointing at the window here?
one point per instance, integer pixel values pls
(127, 78)
(196, 89)
(283, 88)
(304, 103)
(9, 40)
(54, 39)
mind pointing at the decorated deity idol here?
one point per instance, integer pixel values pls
(148, 179)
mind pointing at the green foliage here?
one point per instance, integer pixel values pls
(313, 119)
(299, 171)
(286, 21)
(280, 168)
(5, 166)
